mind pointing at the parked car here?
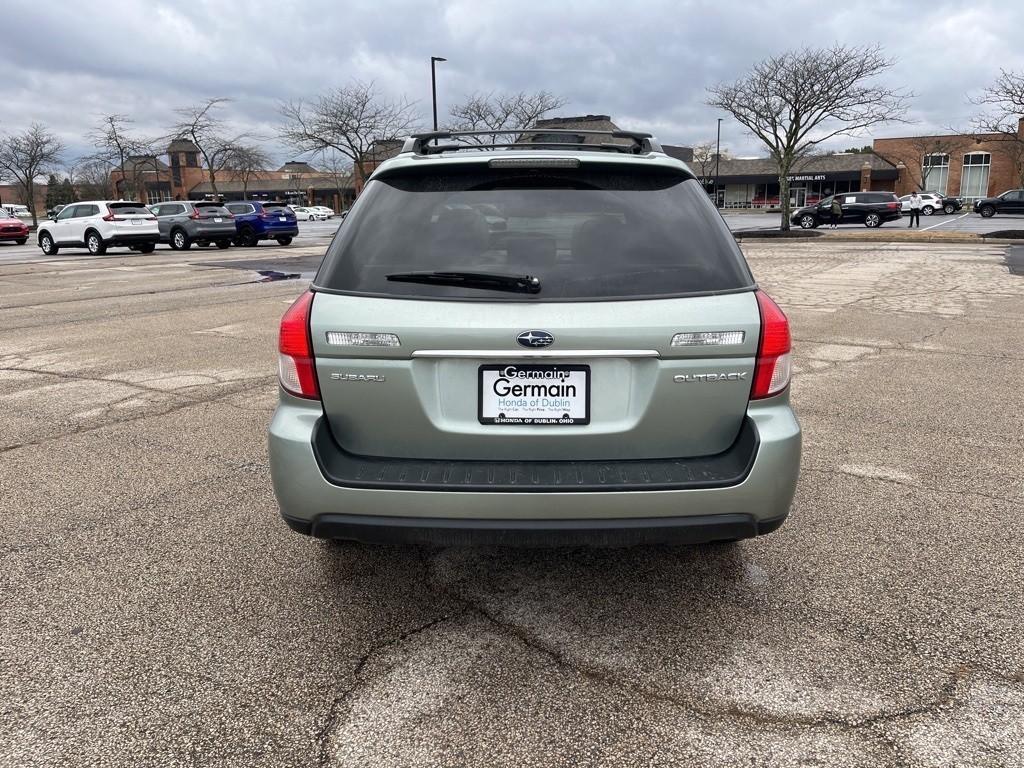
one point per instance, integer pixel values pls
(17, 211)
(324, 210)
(98, 225)
(949, 204)
(255, 221)
(607, 373)
(202, 222)
(872, 209)
(12, 228)
(303, 214)
(1011, 201)
(930, 203)
(52, 213)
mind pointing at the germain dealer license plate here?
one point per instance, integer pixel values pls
(554, 394)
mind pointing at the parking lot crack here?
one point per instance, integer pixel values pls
(359, 679)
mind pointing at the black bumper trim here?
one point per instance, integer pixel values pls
(619, 532)
(722, 470)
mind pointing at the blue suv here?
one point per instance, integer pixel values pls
(256, 221)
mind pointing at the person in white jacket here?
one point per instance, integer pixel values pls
(915, 210)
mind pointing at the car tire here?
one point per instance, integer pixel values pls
(94, 243)
(807, 221)
(46, 244)
(223, 244)
(872, 220)
(949, 209)
(146, 247)
(927, 210)
(284, 240)
(987, 211)
(180, 241)
(21, 241)
(245, 238)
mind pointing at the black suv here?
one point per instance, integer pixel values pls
(872, 209)
(1008, 202)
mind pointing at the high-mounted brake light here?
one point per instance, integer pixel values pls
(534, 162)
(773, 369)
(295, 361)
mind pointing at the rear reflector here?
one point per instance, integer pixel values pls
(708, 338)
(361, 339)
(773, 368)
(295, 361)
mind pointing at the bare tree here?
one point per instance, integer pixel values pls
(246, 161)
(796, 100)
(339, 168)
(90, 177)
(114, 144)
(202, 125)
(1004, 102)
(349, 120)
(512, 111)
(27, 155)
(704, 157)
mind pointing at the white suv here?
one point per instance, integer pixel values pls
(100, 224)
(930, 203)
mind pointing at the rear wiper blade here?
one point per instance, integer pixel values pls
(490, 280)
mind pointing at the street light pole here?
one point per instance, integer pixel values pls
(718, 156)
(433, 84)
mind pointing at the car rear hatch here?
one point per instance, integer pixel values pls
(131, 219)
(612, 318)
(278, 217)
(213, 219)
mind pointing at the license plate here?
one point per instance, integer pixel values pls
(218, 219)
(534, 394)
(284, 218)
(136, 221)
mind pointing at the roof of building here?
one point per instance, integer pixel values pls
(580, 122)
(679, 153)
(144, 163)
(268, 186)
(297, 166)
(848, 164)
(182, 145)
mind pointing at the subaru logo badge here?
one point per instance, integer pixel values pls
(535, 339)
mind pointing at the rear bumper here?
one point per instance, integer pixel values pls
(448, 532)
(132, 238)
(223, 231)
(755, 501)
(272, 233)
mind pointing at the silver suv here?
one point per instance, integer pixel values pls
(201, 222)
(543, 342)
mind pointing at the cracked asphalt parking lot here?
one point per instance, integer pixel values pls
(156, 612)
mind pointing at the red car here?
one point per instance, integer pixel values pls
(12, 228)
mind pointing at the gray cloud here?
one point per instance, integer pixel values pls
(647, 64)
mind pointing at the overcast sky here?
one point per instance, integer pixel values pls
(647, 64)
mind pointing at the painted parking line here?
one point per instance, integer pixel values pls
(946, 221)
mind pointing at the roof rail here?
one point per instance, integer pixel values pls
(419, 143)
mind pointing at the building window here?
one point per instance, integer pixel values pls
(974, 180)
(935, 173)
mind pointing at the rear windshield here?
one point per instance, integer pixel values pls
(277, 209)
(584, 234)
(130, 208)
(212, 209)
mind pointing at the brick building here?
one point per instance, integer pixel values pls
(179, 175)
(969, 166)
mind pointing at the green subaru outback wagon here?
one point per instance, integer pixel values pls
(549, 341)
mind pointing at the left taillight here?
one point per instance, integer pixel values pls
(296, 368)
(773, 369)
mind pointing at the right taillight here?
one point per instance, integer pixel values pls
(295, 360)
(773, 368)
